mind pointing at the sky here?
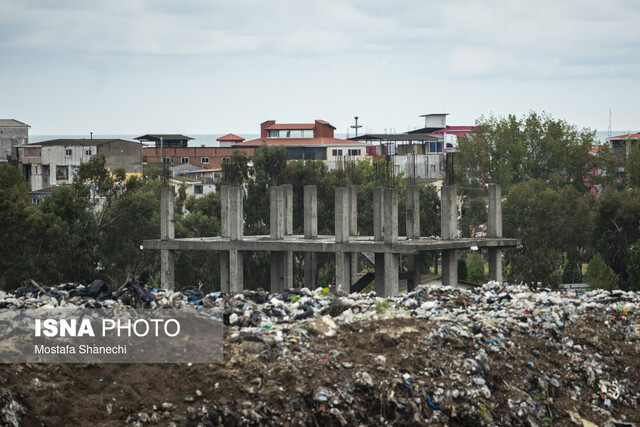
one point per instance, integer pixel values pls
(70, 67)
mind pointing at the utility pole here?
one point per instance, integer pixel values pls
(356, 126)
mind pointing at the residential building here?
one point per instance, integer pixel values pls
(201, 157)
(229, 139)
(620, 147)
(165, 140)
(308, 141)
(12, 134)
(55, 162)
(418, 153)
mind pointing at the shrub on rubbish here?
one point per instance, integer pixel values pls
(600, 275)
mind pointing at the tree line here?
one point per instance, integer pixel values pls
(563, 196)
(94, 227)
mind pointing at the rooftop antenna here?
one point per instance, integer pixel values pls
(356, 126)
(91, 135)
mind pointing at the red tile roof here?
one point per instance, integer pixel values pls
(627, 136)
(230, 137)
(319, 142)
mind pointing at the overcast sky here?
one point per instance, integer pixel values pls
(218, 66)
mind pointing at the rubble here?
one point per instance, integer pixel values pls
(495, 355)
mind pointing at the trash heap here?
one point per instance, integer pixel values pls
(495, 355)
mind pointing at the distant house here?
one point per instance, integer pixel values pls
(165, 140)
(55, 162)
(620, 147)
(308, 141)
(229, 139)
(12, 134)
(418, 153)
(201, 157)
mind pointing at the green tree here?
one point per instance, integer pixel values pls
(600, 275)
(235, 170)
(633, 268)
(475, 268)
(64, 236)
(617, 218)
(509, 150)
(15, 257)
(532, 212)
(632, 164)
(474, 213)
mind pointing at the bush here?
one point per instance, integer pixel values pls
(571, 273)
(633, 267)
(462, 269)
(475, 266)
(600, 275)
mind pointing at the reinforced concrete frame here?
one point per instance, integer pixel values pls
(385, 244)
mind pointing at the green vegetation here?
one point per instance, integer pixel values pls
(94, 227)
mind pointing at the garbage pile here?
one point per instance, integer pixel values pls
(494, 355)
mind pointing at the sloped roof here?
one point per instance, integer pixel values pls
(230, 137)
(627, 136)
(9, 123)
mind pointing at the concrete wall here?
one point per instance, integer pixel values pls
(10, 136)
(122, 154)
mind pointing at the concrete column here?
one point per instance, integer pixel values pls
(225, 285)
(353, 231)
(391, 260)
(378, 235)
(449, 231)
(494, 229)
(378, 202)
(343, 279)
(277, 227)
(224, 211)
(287, 191)
(449, 213)
(167, 232)
(310, 232)
(450, 268)
(235, 223)
(413, 232)
(390, 215)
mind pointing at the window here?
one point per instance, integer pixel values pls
(166, 160)
(336, 152)
(433, 168)
(184, 160)
(198, 189)
(290, 133)
(354, 152)
(62, 173)
(226, 159)
(204, 160)
(87, 151)
(272, 134)
(68, 152)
